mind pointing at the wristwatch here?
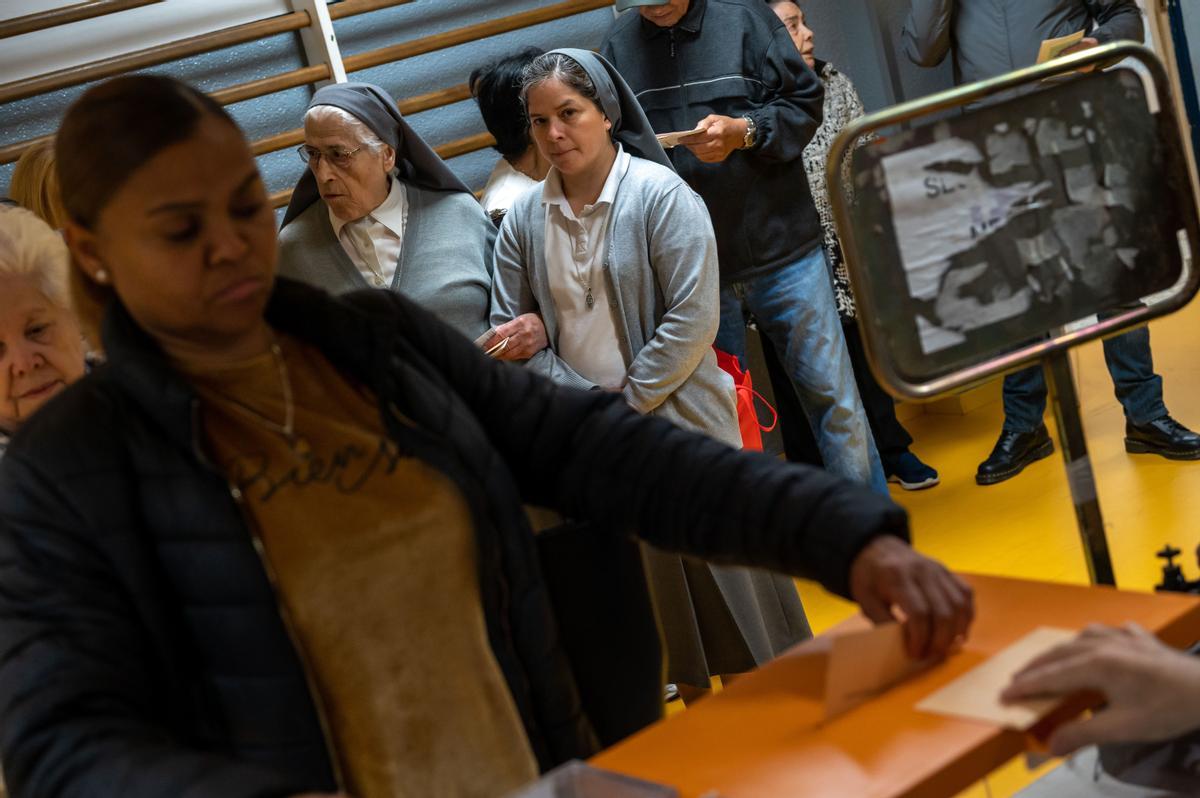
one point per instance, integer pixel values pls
(751, 133)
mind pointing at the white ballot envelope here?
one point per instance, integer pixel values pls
(863, 664)
(669, 140)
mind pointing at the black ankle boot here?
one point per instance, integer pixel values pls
(1163, 436)
(1012, 453)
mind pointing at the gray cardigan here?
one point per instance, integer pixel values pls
(660, 266)
(445, 262)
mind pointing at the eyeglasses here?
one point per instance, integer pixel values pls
(336, 157)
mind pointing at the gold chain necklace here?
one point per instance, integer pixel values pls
(287, 429)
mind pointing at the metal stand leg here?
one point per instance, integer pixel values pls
(1079, 469)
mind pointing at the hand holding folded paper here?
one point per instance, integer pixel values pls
(669, 140)
(1054, 48)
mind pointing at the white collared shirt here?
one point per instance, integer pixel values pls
(575, 253)
(503, 187)
(374, 241)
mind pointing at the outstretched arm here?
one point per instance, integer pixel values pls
(590, 456)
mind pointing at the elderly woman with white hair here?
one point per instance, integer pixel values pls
(41, 348)
(378, 208)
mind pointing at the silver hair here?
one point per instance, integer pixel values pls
(363, 134)
(563, 68)
(32, 249)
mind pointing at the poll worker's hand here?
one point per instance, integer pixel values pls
(526, 336)
(937, 607)
(721, 136)
(1152, 691)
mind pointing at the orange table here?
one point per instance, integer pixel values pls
(763, 736)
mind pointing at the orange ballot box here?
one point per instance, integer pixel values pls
(766, 735)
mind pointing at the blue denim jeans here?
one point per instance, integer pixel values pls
(794, 307)
(1138, 388)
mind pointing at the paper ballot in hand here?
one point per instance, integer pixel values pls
(1053, 48)
(669, 140)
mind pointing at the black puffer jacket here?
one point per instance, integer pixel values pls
(141, 651)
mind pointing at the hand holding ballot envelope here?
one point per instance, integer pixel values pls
(712, 140)
(1066, 45)
(519, 339)
(890, 581)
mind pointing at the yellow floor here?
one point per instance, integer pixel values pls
(1026, 527)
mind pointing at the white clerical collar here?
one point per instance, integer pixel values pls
(552, 189)
(390, 213)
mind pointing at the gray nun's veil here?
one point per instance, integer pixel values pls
(416, 162)
(629, 123)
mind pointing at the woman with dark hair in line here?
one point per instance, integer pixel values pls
(275, 545)
(496, 88)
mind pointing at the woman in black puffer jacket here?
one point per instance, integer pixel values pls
(275, 545)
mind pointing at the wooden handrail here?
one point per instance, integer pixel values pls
(152, 56)
(434, 99)
(12, 152)
(451, 149)
(350, 8)
(470, 33)
(44, 20)
(413, 105)
(284, 80)
(304, 75)
(287, 80)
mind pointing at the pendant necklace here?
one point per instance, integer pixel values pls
(298, 444)
(586, 284)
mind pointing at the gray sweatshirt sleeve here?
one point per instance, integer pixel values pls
(513, 296)
(1116, 20)
(927, 31)
(683, 255)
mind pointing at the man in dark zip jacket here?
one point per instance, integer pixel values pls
(728, 67)
(989, 38)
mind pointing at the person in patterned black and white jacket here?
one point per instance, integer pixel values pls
(842, 105)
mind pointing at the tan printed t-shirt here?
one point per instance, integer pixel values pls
(372, 555)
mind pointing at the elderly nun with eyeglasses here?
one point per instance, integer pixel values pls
(378, 208)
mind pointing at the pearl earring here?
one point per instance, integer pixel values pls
(101, 276)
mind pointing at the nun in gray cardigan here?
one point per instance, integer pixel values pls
(660, 284)
(421, 233)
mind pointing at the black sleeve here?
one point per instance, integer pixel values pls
(77, 709)
(789, 119)
(591, 457)
(926, 33)
(1116, 20)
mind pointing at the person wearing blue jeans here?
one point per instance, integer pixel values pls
(1149, 428)
(795, 309)
(729, 72)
